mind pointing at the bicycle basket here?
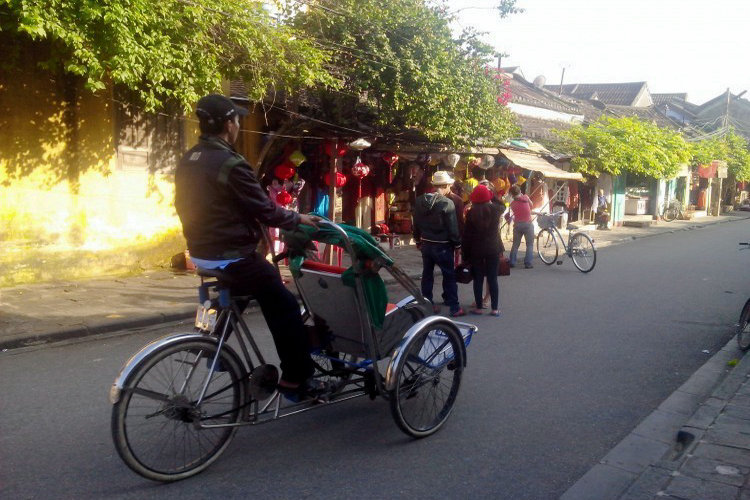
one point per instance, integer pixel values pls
(546, 221)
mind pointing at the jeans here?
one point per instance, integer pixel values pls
(525, 230)
(442, 255)
(485, 266)
(256, 277)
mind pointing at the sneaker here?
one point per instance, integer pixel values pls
(458, 313)
(495, 313)
(529, 266)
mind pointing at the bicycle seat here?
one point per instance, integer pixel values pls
(571, 227)
(215, 273)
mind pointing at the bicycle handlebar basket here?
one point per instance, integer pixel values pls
(547, 221)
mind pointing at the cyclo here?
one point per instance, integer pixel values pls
(178, 402)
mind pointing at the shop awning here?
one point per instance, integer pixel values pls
(539, 164)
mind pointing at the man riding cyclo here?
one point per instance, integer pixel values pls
(221, 206)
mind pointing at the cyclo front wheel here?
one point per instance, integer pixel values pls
(583, 252)
(428, 376)
(156, 422)
(743, 328)
(546, 246)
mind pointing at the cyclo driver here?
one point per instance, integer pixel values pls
(221, 206)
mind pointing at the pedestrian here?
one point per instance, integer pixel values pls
(436, 232)
(602, 211)
(221, 206)
(481, 245)
(522, 227)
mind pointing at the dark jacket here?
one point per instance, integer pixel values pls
(220, 202)
(435, 220)
(482, 231)
(459, 204)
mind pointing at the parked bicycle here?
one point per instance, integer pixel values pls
(743, 327)
(672, 210)
(580, 247)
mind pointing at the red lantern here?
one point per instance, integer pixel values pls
(284, 171)
(340, 179)
(390, 158)
(360, 170)
(340, 151)
(283, 198)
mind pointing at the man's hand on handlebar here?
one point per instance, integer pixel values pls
(309, 220)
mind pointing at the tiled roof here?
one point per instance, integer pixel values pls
(668, 98)
(622, 94)
(523, 92)
(649, 113)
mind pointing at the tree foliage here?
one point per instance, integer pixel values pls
(167, 50)
(732, 148)
(613, 145)
(401, 68)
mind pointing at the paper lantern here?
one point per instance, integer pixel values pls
(359, 144)
(340, 151)
(340, 179)
(451, 160)
(486, 162)
(390, 158)
(360, 170)
(284, 171)
(297, 158)
(283, 198)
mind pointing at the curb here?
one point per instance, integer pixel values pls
(98, 327)
(643, 462)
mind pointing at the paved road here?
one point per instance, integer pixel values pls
(573, 365)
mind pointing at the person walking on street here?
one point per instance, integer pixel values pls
(522, 227)
(481, 245)
(436, 232)
(221, 207)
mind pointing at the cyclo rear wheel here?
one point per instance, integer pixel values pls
(583, 252)
(670, 214)
(155, 422)
(546, 246)
(428, 377)
(743, 328)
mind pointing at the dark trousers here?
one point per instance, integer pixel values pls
(255, 276)
(442, 255)
(485, 266)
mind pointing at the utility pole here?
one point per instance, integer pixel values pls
(726, 113)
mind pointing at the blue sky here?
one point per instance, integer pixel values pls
(694, 46)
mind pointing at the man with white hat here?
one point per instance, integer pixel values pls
(436, 231)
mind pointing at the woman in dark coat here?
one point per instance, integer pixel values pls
(481, 245)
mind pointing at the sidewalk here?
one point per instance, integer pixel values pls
(48, 312)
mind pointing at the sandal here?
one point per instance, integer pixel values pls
(477, 311)
(495, 312)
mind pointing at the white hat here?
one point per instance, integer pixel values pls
(441, 178)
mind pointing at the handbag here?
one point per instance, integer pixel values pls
(463, 273)
(503, 268)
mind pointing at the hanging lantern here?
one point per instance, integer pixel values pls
(283, 198)
(359, 144)
(340, 151)
(486, 162)
(340, 179)
(451, 160)
(360, 170)
(284, 171)
(390, 158)
(297, 158)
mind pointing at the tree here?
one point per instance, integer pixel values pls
(613, 145)
(170, 50)
(401, 68)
